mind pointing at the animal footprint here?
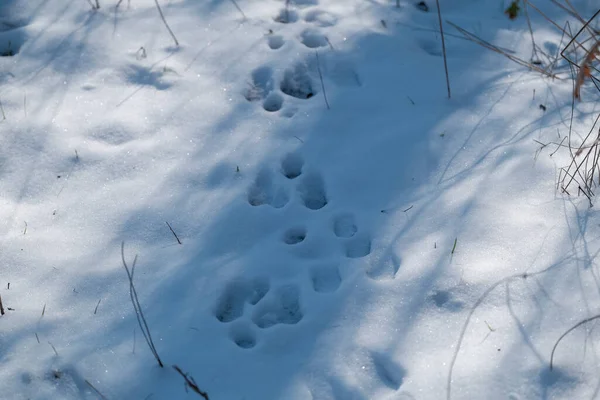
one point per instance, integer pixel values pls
(66, 382)
(10, 25)
(344, 226)
(313, 39)
(444, 299)
(263, 191)
(242, 335)
(291, 166)
(231, 304)
(286, 16)
(297, 82)
(282, 308)
(12, 38)
(258, 289)
(273, 102)
(343, 73)
(275, 42)
(261, 84)
(312, 192)
(391, 374)
(294, 235)
(320, 18)
(359, 246)
(383, 265)
(430, 47)
(422, 6)
(325, 278)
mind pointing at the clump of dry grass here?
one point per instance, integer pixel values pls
(582, 174)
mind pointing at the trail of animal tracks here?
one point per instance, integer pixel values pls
(312, 217)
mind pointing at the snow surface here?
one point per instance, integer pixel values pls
(316, 242)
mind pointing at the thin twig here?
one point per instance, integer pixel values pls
(53, 348)
(558, 146)
(244, 15)
(322, 83)
(443, 46)
(1, 306)
(2, 110)
(173, 232)
(103, 397)
(96, 309)
(191, 383)
(162, 16)
(562, 36)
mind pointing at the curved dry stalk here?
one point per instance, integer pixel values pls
(585, 321)
(162, 16)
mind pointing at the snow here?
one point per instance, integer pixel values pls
(360, 238)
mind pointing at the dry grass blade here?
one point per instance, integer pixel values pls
(173, 232)
(443, 47)
(569, 11)
(242, 12)
(162, 16)
(577, 15)
(137, 307)
(191, 383)
(103, 397)
(544, 15)
(322, 82)
(585, 321)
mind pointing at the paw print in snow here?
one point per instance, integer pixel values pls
(269, 308)
(264, 191)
